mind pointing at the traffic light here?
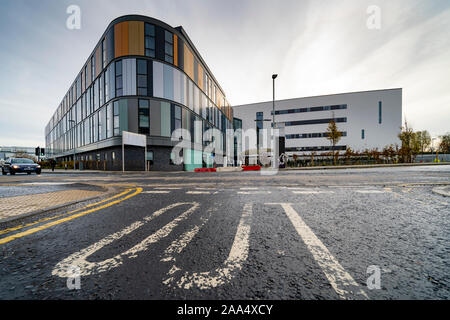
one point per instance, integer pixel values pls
(37, 152)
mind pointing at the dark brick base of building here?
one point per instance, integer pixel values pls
(110, 159)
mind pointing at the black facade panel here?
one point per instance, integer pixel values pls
(172, 117)
(150, 78)
(180, 53)
(110, 53)
(160, 43)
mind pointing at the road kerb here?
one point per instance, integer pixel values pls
(108, 191)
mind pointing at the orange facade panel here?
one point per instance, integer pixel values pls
(136, 38)
(188, 62)
(121, 42)
(175, 50)
(200, 76)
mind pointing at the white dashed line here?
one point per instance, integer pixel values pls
(312, 192)
(342, 282)
(254, 192)
(156, 192)
(371, 191)
(248, 188)
(198, 192)
(167, 188)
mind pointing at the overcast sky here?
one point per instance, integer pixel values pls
(316, 47)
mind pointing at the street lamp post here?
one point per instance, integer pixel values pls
(274, 162)
(72, 122)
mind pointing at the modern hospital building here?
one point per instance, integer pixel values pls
(146, 77)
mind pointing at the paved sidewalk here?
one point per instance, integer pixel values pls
(21, 205)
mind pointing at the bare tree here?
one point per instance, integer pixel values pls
(333, 135)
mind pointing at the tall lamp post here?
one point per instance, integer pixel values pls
(72, 124)
(274, 162)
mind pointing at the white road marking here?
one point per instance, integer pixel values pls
(311, 192)
(168, 188)
(198, 192)
(220, 276)
(254, 192)
(179, 244)
(249, 188)
(156, 192)
(371, 191)
(79, 259)
(46, 183)
(342, 282)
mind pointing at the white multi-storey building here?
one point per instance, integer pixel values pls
(369, 119)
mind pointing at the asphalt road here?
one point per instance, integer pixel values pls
(295, 235)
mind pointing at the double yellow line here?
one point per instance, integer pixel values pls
(68, 216)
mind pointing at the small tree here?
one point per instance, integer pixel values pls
(408, 139)
(424, 140)
(444, 146)
(333, 135)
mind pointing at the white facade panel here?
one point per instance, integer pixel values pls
(362, 113)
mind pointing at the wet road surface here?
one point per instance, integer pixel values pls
(295, 235)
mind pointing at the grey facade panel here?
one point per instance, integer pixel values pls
(155, 118)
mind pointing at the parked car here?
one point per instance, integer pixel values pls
(20, 165)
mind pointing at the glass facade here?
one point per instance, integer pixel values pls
(160, 76)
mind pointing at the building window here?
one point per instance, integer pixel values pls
(116, 118)
(380, 112)
(150, 40)
(109, 121)
(119, 79)
(144, 122)
(142, 78)
(92, 68)
(101, 89)
(315, 121)
(363, 134)
(103, 54)
(168, 47)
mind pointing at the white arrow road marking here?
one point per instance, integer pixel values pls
(220, 276)
(79, 259)
(340, 280)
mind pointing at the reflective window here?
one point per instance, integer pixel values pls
(103, 54)
(93, 68)
(142, 78)
(380, 112)
(109, 121)
(150, 40)
(116, 124)
(119, 79)
(168, 47)
(144, 122)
